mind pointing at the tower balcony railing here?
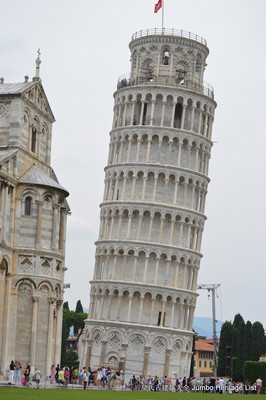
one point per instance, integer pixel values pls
(169, 32)
(205, 88)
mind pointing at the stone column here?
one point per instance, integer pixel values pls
(152, 111)
(162, 314)
(103, 352)
(176, 274)
(205, 124)
(145, 268)
(5, 361)
(4, 209)
(133, 187)
(39, 223)
(183, 116)
(162, 219)
(147, 350)
(167, 362)
(129, 308)
(144, 187)
(200, 119)
(134, 267)
(180, 145)
(88, 353)
(173, 115)
(172, 314)
(154, 188)
(175, 192)
(152, 311)
(156, 270)
(180, 317)
(124, 115)
(132, 112)
(56, 208)
(118, 307)
(123, 188)
(163, 111)
(171, 232)
(148, 151)
(58, 337)
(33, 332)
(62, 229)
(129, 225)
(49, 351)
(150, 229)
(139, 225)
(140, 309)
(109, 306)
(138, 148)
(141, 112)
(192, 118)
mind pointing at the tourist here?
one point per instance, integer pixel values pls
(103, 378)
(52, 375)
(80, 376)
(18, 367)
(99, 377)
(11, 372)
(155, 384)
(27, 374)
(85, 379)
(258, 385)
(133, 383)
(61, 377)
(37, 377)
(57, 373)
(66, 376)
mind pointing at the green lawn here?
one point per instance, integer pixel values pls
(28, 394)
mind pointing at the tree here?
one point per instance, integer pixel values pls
(257, 341)
(239, 350)
(79, 308)
(247, 341)
(65, 305)
(225, 341)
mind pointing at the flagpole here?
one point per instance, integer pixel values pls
(162, 15)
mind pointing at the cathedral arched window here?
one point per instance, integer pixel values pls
(28, 206)
(33, 139)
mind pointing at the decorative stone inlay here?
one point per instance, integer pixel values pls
(3, 109)
(26, 263)
(46, 264)
(158, 344)
(177, 345)
(97, 338)
(137, 342)
(115, 340)
(25, 288)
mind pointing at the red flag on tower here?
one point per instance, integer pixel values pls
(158, 6)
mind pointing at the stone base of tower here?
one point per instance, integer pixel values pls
(137, 350)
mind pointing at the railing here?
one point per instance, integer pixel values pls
(169, 32)
(205, 89)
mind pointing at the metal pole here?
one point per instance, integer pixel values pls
(162, 15)
(214, 332)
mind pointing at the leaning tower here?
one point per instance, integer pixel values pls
(143, 292)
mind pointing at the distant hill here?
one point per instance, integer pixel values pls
(203, 326)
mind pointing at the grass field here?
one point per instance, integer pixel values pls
(32, 394)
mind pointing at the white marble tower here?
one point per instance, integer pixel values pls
(143, 292)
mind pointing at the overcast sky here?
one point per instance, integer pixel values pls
(84, 49)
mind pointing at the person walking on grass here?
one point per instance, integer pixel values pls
(37, 377)
(85, 379)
